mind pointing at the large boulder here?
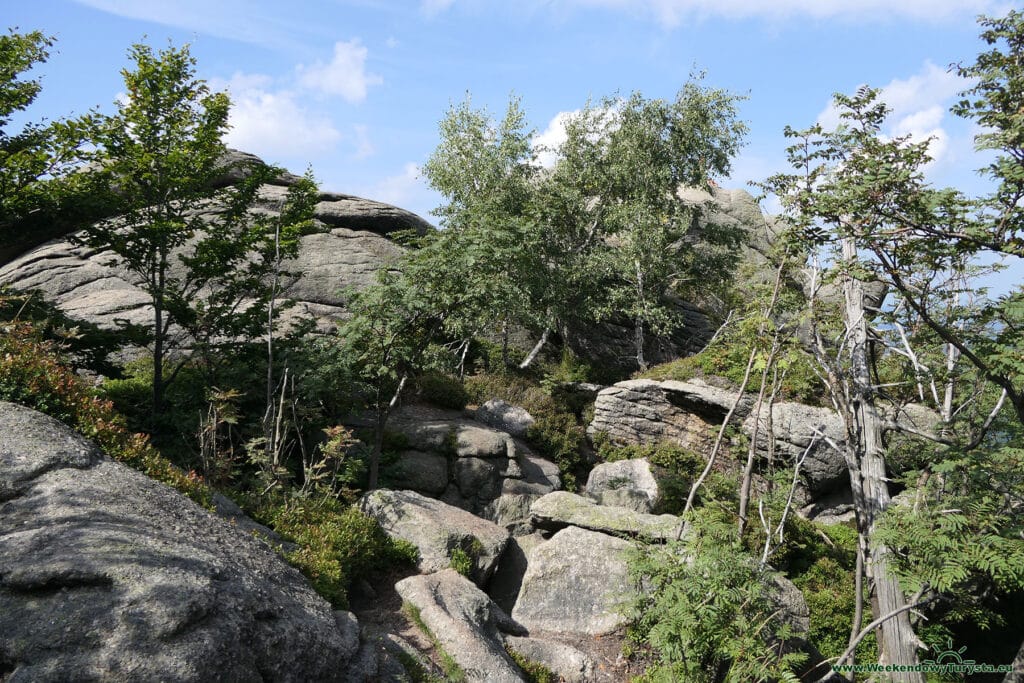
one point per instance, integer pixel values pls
(95, 287)
(465, 623)
(647, 411)
(561, 508)
(577, 582)
(808, 432)
(629, 483)
(503, 415)
(437, 529)
(108, 575)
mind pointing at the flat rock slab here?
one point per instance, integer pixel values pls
(577, 582)
(565, 661)
(465, 623)
(561, 508)
(108, 575)
(437, 529)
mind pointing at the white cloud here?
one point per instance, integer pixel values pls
(399, 189)
(919, 107)
(434, 7)
(274, 123)
(345, 75)
(546, 144)
(219, 18)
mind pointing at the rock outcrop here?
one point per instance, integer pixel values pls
(437, 530)
(577, 583)
(647, 411)
(108, 575)
(468, 464)
(504, 416)
(92, 286)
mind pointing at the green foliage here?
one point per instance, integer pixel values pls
(535, 671)
(709, 615)
(727, 358)
(40, 196)
(559, 437)
(33, 374)
(162, 156)
(442, 390)
(619, 168)
(461, 562)
(963, 535)
(828, 588)
(338, 544)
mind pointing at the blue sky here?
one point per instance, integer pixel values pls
(355, 88)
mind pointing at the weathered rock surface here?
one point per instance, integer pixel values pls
(565, 661)
(798, 428)
(437, 529)
(419, 471)
(466, 463)
(647, 411)
(561, 508)
(576, 582)
(504, 416)
(617, 482)
(465, 623)
(108, 575)
(92, 286)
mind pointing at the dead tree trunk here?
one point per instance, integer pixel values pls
(898, 642)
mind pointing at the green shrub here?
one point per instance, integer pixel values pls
(829, 590)
(461, 562)
(708, 615)
(441, 390)
(560, 438)
(33, 374)
(728, 358)
(338, 544)
(510, 387)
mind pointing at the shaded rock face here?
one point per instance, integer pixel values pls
(465, 622)
(108, 575)
(804, 431)
(437, 529)
(467, 464)
(643, 411)
(92, 286)
(575, 583)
